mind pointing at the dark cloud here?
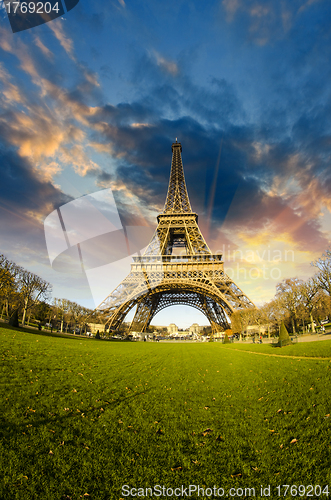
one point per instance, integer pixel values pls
(21, 189)
(24, 203)
(172, 92)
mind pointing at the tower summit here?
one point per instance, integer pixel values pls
(177, 198)
(176, 268)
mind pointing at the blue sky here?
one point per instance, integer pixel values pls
(95, 99)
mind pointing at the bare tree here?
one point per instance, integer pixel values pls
(270, 314)
(32, 288)
(5, 271)
(79, 314)
(240, 319)
(9, 273)
(323, 276)
(289, 295)
(309, 293)
(278, 312)
(63, 307)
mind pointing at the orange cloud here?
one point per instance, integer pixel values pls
(10, 91)
(65, 41)
(168, 66)
(43, 48)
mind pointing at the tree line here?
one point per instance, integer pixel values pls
(25, 295)
(300, 304)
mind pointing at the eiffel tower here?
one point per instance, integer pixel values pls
(164, 275)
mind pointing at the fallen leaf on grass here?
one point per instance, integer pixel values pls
(236, 475)
(207, 431)
(176, 468)
(293, 441)
(206, 408)
(278, 411)
(50, 452)
(20, 477)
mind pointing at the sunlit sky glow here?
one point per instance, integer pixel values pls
(95, 99)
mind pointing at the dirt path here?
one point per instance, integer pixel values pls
(299, 358)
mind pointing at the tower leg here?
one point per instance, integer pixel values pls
(144, 313)
(215, 315)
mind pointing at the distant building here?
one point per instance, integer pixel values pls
(256, 329)
(195, 328)
(219, 335)
(172, 329)
(158, 328)
(94, 327)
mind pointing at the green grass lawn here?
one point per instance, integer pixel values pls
(80, 418)
(320, 349)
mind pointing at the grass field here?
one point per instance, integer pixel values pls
(80, 418)
(320, 349)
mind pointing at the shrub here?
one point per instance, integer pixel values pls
(226, 339)
(284, 338)
(13, 320)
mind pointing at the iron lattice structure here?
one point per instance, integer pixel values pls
(161, 278)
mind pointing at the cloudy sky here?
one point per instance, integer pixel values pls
(94, 100)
